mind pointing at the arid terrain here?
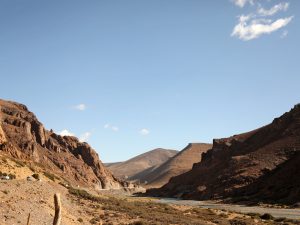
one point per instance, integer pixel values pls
(36, 163)
(258, 166)
(20, 196)
(141, 165)
(180, 163)
(155, 168)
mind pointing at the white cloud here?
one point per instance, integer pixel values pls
(144, 132)
(249, 28)
(275, 9)
(242, 3)
(65, 132)
(85, 137)
(80, 107)
(111, 127)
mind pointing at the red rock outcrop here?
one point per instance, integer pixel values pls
(252, 166)
(24, 137)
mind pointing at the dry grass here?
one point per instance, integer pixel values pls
(145, 212)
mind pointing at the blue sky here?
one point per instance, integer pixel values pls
(130, 76)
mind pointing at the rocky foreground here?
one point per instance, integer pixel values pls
(259, 166)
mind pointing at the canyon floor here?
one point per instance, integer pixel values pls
(20, 197)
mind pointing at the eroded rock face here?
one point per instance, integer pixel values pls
(24, 137)
(245, 165)
(2, 136)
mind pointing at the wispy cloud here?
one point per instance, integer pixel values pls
(261, 21)
(242, 3)
(111, 127)
(248, 29)
(65, 132)
(275, 9)
(144, 132)
(85, 137)
(80, 107)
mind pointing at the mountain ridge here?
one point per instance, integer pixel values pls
(234, 167)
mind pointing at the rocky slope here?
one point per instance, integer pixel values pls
(133, 168)
(23, 137)
(182, 162)
(261, 165)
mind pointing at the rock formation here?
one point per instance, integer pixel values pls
(261, 165)
(22, 136)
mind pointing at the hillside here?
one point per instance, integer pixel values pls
(23, 137)
(182, 162)
(143, 162)
(260, 165)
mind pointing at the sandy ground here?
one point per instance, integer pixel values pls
(18, 198)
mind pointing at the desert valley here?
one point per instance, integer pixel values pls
(258, 168)
(149, 112)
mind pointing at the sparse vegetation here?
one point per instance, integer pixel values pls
(50, 176)
(237, 222)
(148, 212)
(6, 192)
(9, 175)
(36, 176)
(19, 163)
(267, 216)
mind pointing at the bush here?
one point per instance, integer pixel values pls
(267, 216)
(6, 192)
(19, 163)
(50, 176)
(12, 176)
(138, 223)
(80, 220)
(36, 176)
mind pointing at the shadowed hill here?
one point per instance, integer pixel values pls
(180, 163)
(143, 162)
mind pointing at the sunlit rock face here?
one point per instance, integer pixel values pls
(24, 137)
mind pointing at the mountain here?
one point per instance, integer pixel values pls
(24, 138)
(182, 162)
(143, 162)
(261, 165)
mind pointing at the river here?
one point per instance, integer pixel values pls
(275, 212)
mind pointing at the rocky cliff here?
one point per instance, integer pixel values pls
(23, 137)
(261, 165)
